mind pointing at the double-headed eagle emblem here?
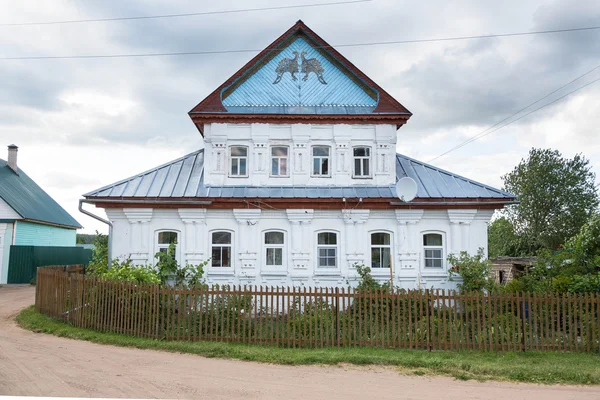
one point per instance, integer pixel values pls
(306, 67)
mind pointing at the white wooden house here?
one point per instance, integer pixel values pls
(296, 183)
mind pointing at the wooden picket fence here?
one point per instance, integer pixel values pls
(294, 317)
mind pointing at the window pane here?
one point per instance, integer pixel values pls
(242, 166)
(279, 151)
(320, 151)
(360, 152)
(386, 255)
(274, 238)
(316, 166)
(274, 256)
(331, 262)
(226, 261)
(283, 166)
(428, 262)
(380, 238)
(327, 238)
(437, 253)
(365, 170)
(322, 252)
(325, 166)
(375, 258)
(216, 256)
(357, 169)
(437, 263)
(234, 166)
(221, 237)
(167, 237)
(275, 166)
(239, 151)
(432, 239)
(428, 253)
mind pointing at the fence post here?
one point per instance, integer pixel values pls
(337, 316)
(522, 298)
(427, 313)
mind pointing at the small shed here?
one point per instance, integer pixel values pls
(504, 269)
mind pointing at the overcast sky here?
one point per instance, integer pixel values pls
(82, 124)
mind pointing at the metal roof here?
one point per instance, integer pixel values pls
(184, 177)
(259, 91)
(29, 200)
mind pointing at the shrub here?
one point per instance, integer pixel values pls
(475, 271)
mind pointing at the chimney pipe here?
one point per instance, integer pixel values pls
(12, 157)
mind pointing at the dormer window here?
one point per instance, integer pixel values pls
(362, 162)
(279, 161)
(320, 156)
(239, 161)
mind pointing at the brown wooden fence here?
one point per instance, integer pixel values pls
(293, 317)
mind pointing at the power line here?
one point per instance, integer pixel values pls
(78, 21)
(488, 131)
(212, 52)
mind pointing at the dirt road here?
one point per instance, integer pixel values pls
(44, 365)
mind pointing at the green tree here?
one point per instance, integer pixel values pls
(557, 196)
(503, 240)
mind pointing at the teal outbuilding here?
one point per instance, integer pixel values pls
(29, 220)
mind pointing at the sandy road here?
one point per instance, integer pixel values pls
(44, 365)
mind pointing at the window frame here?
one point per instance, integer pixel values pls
(287, 161)
(159, 246)
(362, 158)
(313, 157)
(231, 245)
(238, 158)
(442, 247)
(266, 246)
(336, 247)
(390, 246)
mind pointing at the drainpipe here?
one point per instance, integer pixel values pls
(107, 222)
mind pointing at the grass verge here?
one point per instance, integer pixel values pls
(529, 367)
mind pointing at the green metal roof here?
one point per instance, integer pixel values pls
(30, 201)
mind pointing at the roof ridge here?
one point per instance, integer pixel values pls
(143, 173)
(483, 185)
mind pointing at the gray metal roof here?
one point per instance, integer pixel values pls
(29, 200)
(184, 177)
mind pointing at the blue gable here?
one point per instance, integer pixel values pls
(318, 82)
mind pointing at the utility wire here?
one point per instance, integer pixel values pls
(488, 131)
(79, 21)
(210, 52)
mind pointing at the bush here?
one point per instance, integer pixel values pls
(475, 271)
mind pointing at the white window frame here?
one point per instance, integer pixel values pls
(313, 158)
(159, 246)
(442, 248)
(238, 159)
(282, 246)
(336, 246)
(381, 246)
(231, 251)
(279, 158)
(362, 159)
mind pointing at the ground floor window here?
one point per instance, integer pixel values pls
(327, 250)
(381, 250)
(221, 249)
(164, 239)
(433, 247)
(274, 249)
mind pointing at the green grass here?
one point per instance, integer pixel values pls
(530, 367)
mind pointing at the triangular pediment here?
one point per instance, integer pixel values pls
(299, 78)
(299, 75)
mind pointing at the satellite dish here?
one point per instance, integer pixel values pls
(406, 189)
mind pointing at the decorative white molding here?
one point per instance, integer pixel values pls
(461, 216)
(409, 216)
(248, 216)
(138, 214)
(355, 216)
(193, 215)
(302, 215)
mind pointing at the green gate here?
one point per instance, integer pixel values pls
(24, 260)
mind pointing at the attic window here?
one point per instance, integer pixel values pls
(239, 161)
